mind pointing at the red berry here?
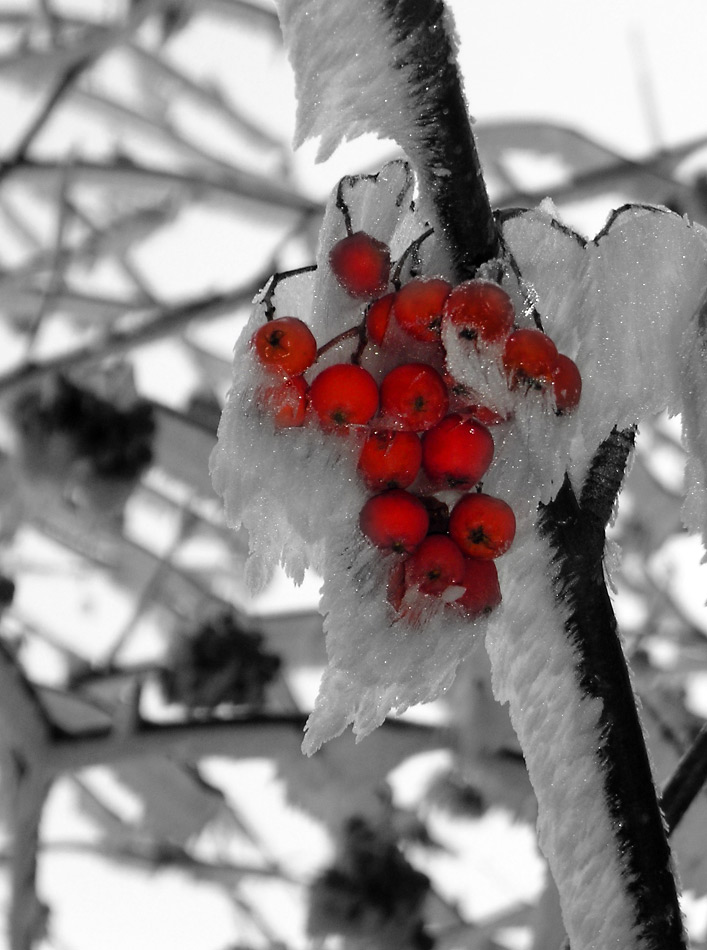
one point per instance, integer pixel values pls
(378, 318)
(285, 401)
(480, 310)
(435, 565)
(566, 384)
(482, 526)
(394, 520)
(414, 396)
(343, 395)
(457, 452)
(418, 307)
(529, 358)
(482, 590)
(285, 345)
(390, 459)
(361, 264)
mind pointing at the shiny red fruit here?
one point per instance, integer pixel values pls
(456, 452)
(418, 307)
(479, 310)
(394, 520)
(482, 592)
(361, 264)
(413, 396)
(482, 526)
(529, 358)
(566, 384)
(390, 459)
(285, 401)
(285, 345)
(343, 395)
(435, 565)
(378, 318)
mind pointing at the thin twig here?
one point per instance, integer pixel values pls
(686, 782)
(120, 341)
(237, 185)
(207, 96)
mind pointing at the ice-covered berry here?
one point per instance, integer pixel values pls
(378, 318)
(456, 452)
(395, 520)
(343, 395)
(482, 591)
(413, 396)
(390, 459)
(479, 310)
(566, 384)
(482, 526)
(361, 264)
(418, 307)
(284, 401)
(529, 358)
(285, 345)
(436, 565)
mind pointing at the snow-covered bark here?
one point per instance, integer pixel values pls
(628, 306)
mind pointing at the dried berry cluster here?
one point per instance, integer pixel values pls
(422, 435)
(116, 442)
(217, 663)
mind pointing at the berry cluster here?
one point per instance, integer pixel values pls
(372, 894)
(422, 436)
(116, 442)
(218, 663)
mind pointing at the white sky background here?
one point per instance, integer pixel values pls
(632, 74)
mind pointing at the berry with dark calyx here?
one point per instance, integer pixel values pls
(418, 307)
(457, 452)
(378, 318)
(435, 565)
(529, 358)
(482, 591)
(343, 395)
(438, 512)
(482, 526)
(413, 396)
(361, 264)
(566, 384)
(390, 459)
(285, 345)
(395, 520)
(285, 401)
(480, 310)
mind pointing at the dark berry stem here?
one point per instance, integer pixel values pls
(267, 297)
(442, 146)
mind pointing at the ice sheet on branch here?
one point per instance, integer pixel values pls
(626, 304)
(359, 80)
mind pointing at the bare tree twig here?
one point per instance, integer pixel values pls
(120, 341)
(686, 782)
(122, 173)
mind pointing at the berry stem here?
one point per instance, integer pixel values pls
(272, 287)
(443, 148)
(350, 334)
(412, 250)
(342, 204)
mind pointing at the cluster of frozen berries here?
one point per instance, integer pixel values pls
(425, 443)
